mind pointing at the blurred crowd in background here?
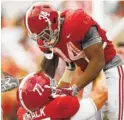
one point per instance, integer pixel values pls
(20, 55)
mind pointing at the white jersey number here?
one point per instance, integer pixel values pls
(38, 88)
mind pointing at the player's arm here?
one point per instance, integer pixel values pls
(97, 98)
(93, 49)
(99, 93)
(49, 65)
(86, 107)
(67, 76)
(20, 112)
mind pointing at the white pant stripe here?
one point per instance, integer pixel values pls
(121, 92)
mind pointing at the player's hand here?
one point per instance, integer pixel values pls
(8, 82)
(71, 91)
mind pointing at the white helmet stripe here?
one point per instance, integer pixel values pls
(26, 21)
(20, 91)
(59, 20)
(27, 13)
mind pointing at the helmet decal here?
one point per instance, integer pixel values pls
(38, 88)
(44, 15)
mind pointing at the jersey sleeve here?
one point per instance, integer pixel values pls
(62, 107)
(91, 37)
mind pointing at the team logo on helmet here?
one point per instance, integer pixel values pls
(44, 15)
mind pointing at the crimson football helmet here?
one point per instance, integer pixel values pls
(34, 91)
(42, 23)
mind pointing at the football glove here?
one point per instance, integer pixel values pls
(8, 82)
(71, 91)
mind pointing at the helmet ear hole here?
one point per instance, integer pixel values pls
(54, 20)
(46, 6)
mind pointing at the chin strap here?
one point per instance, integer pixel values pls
(49, 56)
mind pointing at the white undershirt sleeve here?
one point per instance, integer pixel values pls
(87, 110)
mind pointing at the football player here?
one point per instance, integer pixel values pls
(40, 99)
(79, 41)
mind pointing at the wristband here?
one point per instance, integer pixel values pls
(70, 66)
(75, 90)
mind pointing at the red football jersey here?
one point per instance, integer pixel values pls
(75, 26)
(61, 108)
